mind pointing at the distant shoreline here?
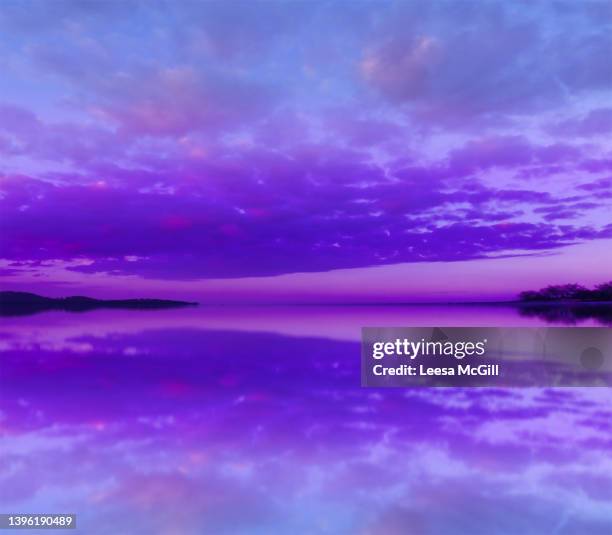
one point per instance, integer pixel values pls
(23, 303)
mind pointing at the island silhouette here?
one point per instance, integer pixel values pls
(23, 303)
(569, 292)
(569, 303)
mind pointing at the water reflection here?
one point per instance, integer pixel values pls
(253, 421)
(570, 314)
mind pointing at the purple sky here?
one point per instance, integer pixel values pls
(305, 151)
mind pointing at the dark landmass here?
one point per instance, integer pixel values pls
(23, 303)
(568, 304)
(569, 293)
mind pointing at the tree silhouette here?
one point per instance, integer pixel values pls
(569, 292)
(604, 291)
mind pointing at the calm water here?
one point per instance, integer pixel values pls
(252, 421)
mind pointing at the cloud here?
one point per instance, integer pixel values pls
(262, 138)
(176, 101)
(262, 213)
(595, 122)
(449, 65)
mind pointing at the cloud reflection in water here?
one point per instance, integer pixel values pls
(187, 429)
